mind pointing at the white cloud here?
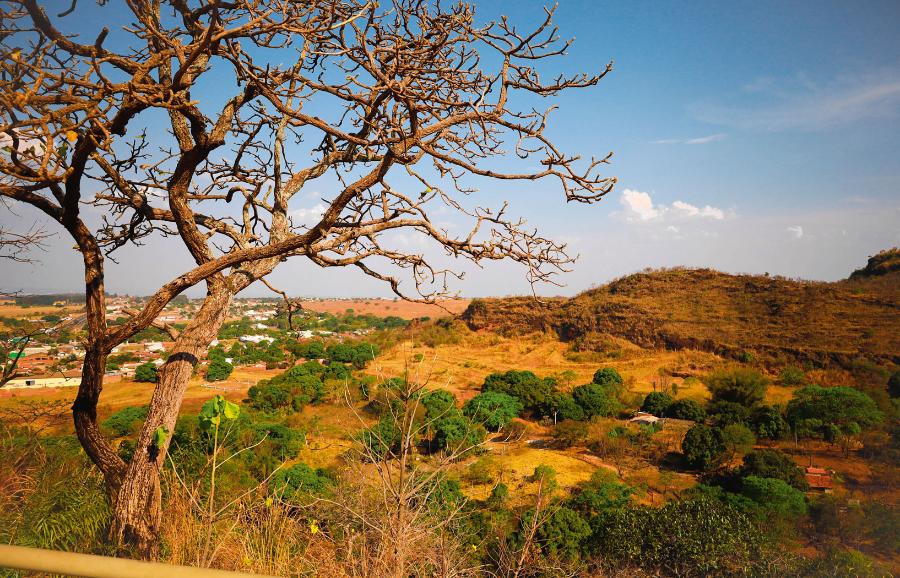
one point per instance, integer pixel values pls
(688, 210)
(691, 141)
(640, 208)
(796, 231)
(308, 215)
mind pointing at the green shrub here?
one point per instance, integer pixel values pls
(771, 463)
(570, 433)
(743, 386)
(703, 447)
(596, 400)
(656, 403)
(219, 370)
(840, 406)
(126, 421)
(768, 423)
(608, 377)
(146, 372)
(686, 409)
(792, 376)
(725, 413)
(300, 480)
(534, 393)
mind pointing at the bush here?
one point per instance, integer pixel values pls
(601, 493)
(534, 393)
(492, 409)
(561, 536)
(456, 433)
(775, 497)
(728, 413)
(687, 538)
(146, 373)
(769, 463)
(746, 387)
(768, 423)
(608, 377)
(656, 403)
(219, 370)
(738, 439)
(703, 447)
(290, 390)
(570, 433)
(792, 376)
(438, 403)
(563, 406)
(308, 350)
(596, 400)
(126, 421)
(300, 479)
(686, 409)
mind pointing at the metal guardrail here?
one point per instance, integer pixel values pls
(91, 566)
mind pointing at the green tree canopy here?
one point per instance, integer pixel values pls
(607, 376)
(596, 400)
(686, 409)
(656, 403)
(771, 463)
(493, 409)
(219, 370)
(840, 406)
(146, 372)
(703, 447)
(533, 391)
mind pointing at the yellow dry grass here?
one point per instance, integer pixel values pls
(18, 312)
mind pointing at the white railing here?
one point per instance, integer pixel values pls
(90, 566)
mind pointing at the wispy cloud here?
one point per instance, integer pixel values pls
(638, 207)
(796, 231)
(691, 141)
(802, 104)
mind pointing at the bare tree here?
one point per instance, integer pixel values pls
(396, 109)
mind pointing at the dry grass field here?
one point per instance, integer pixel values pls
(389, 307)
(15, 311)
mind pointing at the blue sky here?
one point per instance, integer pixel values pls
(752, 137)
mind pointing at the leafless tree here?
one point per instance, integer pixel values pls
(396, 109)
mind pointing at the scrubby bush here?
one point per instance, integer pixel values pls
(703, 447)
(562, 406)
(725, 413)
(126, 421)
(608, 377)
(774, 497)
(768, 423)
(770, 463)
(219, 370)
(686, 409)
(746, 387)
(562, 534)
(291, 390)
(738, 439)
(146, 373)
(299, 480)
(534, 392)
(596, 400)
(656, 403)
(792, 376)
(570, 433)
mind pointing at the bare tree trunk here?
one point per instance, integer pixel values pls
(137, 512)
(84, 409)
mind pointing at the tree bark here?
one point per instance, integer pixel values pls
(137, 511)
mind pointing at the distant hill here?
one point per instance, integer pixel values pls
(772, 319)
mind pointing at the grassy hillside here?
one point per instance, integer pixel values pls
(771, 319)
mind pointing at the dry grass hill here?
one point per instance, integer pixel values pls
(773, 320)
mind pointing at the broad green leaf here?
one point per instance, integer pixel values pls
(231, 410)
(160, 435)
